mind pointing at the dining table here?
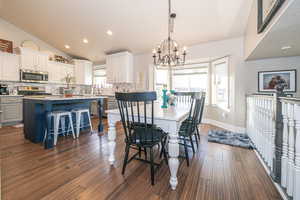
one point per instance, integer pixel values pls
(168, 119)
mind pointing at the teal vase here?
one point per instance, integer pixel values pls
(165, 99)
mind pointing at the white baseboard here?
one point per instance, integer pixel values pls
(226, 126)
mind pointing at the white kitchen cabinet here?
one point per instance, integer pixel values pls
(9, 67)
(83, 72)
(119, 68)
(54, 70)
(58, 71)
(68, 70)
(33, 60)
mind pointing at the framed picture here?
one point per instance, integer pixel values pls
(6, 46)
(267, 80)
(266, 10)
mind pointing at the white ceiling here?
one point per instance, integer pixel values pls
(285, 32)
(137, 25)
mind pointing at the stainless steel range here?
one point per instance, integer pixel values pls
(32, 91)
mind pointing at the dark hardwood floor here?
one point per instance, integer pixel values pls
(79, 169)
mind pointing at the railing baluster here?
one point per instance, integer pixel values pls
(296, 195)
(291, 154)
(284, 159)
(271, 132)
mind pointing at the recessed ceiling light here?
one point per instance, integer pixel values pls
(109, 32)
(67, 46)
(285, 47)
(85, 40)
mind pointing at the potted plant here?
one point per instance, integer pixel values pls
(68, 92)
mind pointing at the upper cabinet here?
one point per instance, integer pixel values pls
(59, 71)
(9, 67)
(83, 72)
(33, 60)
(119, 68)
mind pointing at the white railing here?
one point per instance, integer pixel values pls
(290, 161)
(273, 125)
(261, 125)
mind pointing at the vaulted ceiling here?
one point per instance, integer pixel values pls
(137, 25)
(283, 34)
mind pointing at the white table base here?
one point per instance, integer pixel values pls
(169, 126)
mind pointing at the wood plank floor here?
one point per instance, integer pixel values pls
(79, 169)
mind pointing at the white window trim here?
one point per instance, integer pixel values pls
(213, 83)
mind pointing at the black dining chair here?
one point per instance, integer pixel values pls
(137, 116)
(184, 97)
(187, 98)
(203, 95)
(189, 126)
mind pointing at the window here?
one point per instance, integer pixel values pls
(191, 78)
(211, 76)
(161, 79)
(99, 76)
(220, 83)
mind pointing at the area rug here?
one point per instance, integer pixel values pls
(230, 138)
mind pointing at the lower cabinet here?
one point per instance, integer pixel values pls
(11, 110)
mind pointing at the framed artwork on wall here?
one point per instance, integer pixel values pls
(6, 46)
(267, 80)
(266, 9)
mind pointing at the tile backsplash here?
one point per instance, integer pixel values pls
(52, 88)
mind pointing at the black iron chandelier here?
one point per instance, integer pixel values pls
(168, 53)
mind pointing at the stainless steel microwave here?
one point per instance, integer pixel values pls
(33, 76)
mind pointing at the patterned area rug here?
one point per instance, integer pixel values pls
(230, 138)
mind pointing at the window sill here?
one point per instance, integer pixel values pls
(220, 107)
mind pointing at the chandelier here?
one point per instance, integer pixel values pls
(168, 53)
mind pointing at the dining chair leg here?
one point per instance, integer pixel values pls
(198, 134)
(186, 153)
(161, 151)
(152, 165)
(192, 144)
(196, 138)
(165, 154)
(163, 144)
(125, 158)
(145, 150)
(140, 152)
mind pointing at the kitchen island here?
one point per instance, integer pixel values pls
(35, 109)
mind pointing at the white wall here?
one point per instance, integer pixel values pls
(284, 63)
(12, 33)
(252, 38)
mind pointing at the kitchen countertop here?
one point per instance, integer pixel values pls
(11, 95)
(57, 98)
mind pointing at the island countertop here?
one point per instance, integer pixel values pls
(58, 98)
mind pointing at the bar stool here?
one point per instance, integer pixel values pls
(59, 119)
(79, 119)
